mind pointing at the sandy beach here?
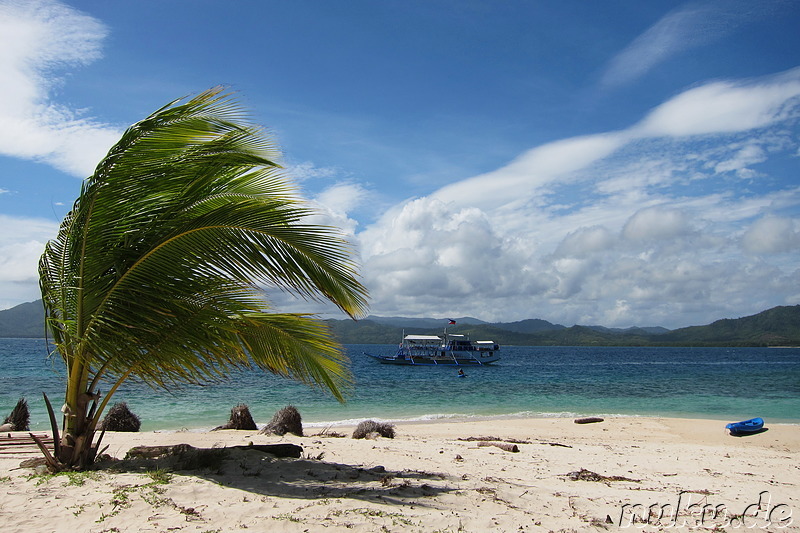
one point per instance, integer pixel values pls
(645, 474)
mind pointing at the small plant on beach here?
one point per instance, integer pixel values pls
(74, 479)
(368, 428)
(159, 476)
(158, 271)
(287, 516)
(327, 432)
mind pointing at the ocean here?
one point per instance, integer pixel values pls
(712, 383)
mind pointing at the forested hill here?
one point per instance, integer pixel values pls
(779, 326)
(24, 320)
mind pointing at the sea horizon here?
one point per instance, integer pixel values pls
(528, 382)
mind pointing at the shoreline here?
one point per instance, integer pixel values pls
(565, 476)
(444, 418)
(459, 419)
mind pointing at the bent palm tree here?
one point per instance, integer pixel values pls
(154, 272)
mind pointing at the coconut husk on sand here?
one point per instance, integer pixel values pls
(240, 419)
(19, 419)
(286, 420)
(121, 418)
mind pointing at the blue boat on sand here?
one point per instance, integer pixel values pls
(449, 350)
(746, 427)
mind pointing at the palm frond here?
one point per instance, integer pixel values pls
(154, 270)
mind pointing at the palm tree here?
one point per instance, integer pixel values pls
(156, 271)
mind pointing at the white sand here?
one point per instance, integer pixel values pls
(426, 479)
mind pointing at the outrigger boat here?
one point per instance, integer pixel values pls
(454, 350)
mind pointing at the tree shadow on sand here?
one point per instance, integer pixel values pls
(259, 473)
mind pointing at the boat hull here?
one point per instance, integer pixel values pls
(439, 361)
(746, 427)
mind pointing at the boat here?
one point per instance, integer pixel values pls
(448, 349)
(746, 427)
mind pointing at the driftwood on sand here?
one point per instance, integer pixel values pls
(588, 420)
(23, 444)
(588, 475)
(513, 441)
(157, 452)
(507, 446)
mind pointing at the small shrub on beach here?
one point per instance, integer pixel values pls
(120, 418)
(240, 419)
(286, 420)
(19, 419)
(368, 427)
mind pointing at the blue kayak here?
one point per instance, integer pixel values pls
(754, 425)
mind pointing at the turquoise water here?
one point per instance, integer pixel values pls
(719, 383)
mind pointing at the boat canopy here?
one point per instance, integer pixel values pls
(422, 338)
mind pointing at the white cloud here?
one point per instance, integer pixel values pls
(642, 224)
(307, 171)
(741, 161)
(657, 223)
(430, 252)
(690, 26)
(772, 235)
(37, 39)
(532, 171)
(725, 107)
(334, 205)
(584, 242)
(674, 33)
(20, 250)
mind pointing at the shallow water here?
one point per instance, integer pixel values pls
(720, 383)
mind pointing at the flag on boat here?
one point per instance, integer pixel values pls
(451, 321)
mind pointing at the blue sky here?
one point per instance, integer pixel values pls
(614, 163)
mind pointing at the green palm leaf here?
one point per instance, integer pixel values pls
(155, 271)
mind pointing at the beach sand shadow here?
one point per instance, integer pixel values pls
(303, 478)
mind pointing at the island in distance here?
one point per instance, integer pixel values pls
(779, 326)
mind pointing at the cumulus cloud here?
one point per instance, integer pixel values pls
(641, 224)
(429, 252)
(19, 257)
(585, 242)
(772, 235)
(334, 205)
(38, 39)
(656, 223)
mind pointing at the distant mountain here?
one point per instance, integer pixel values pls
(24, 320)
(636, 330)
(779, 326)
(532, 325)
